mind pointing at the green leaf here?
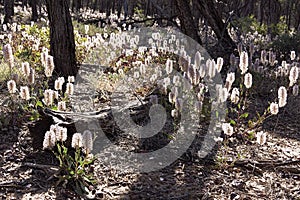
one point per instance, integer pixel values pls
(232, 122)
(39, 104)
(245, 115)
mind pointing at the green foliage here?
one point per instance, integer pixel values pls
(250, 24)
(74, 170)
(286, 43)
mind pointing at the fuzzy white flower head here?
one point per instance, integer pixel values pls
(49, 140)
(24, 93)
(293, 55)
(174, 113)
(223, 94)
(169, 66)
(61, 106)
(198, 59)
(227, 128)
(295, 90)
(294, 74)
(25, 68)
(71, 79)
(87, 141)
(211, 68)
(49, 67)
(58, 85)
(230, 77)
(12, 87)
(77, 140)
(220, 63)
(48, 97)
(70, 89)
(235, 95)
(31, 77)
(244, 62)
(8, 55)
(61, 134)
(274, 108)
(282, 93)
(248, 80)
(261, 137)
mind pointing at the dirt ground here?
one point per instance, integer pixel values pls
(247, 170)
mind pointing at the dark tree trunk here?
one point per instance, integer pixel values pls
(34, 14)
(187, 24)
(8, 10)
(214, 19)
(76, 5)
(62, 37)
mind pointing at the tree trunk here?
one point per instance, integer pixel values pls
(76, 5)
(62, 37)
(187, 24)
(214, 19)
(8, 10)
(34, 14)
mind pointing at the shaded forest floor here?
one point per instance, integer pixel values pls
(242, 169)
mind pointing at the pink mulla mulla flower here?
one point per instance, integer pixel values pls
(48, 97)
(223, 95)
(282, 93)
(220, 63)
(295, 90)
(198, 59)
(293, 55)
(49, 66)
(70, 89)
(174, 113)
(248, 80)
(235, 95)
(211, 68)
(230, 77)
(77, 140)
(274, 108)
(294, 74)
(244, 62)
(24, 93)
(87, 141)
(61, 134)
(11, 86)
(49, 140)
(61, 106)
(25, 68)
(227, 128)
(31, 76)
(8, 55)
(169, 66)
(263, 57)
(261, 137)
